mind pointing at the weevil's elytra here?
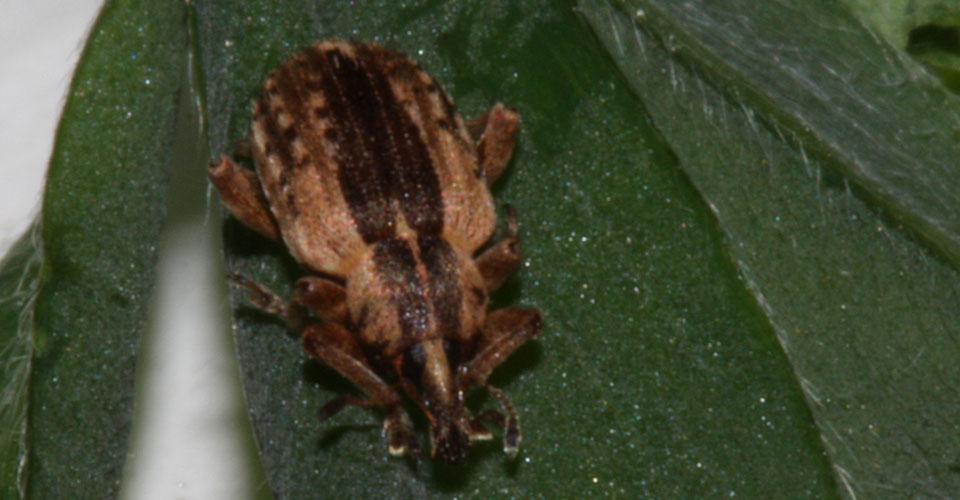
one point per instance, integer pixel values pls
(379, 189)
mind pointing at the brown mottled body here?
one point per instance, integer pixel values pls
(378, 188)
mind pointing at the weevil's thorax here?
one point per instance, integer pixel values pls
(417, 304)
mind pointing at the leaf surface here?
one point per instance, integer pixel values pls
(829, 161)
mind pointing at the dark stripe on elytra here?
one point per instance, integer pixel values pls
(417, 189)
(397, 268)
(363, 176)
(443, 276)
(382, 158)
(434, 117)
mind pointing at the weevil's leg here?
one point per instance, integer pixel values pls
(266, 300)
(334, 406)
(511, 424)
(497, 262)
(322, 296)
(479, 431)
(396, 426)
(495, 133)
(396, 430)
(504, 331)
(334, 345)
(491, 416)
(260, 296)
(241, 193)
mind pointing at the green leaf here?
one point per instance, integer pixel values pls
(740, 227)
(829, 160)
(895, 20)
(19, 276)
(657, 374)
(928, 29)
(75, 292)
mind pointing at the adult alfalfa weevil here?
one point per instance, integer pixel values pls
(379, 189)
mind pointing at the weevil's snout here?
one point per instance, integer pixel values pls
(450, 435)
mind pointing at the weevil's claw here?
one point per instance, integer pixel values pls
(478, 431)
(260, 296)
(333, 407)
(400, 440)
(511, 440)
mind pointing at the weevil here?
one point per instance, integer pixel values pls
(380, 190)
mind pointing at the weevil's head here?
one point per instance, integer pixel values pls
(452, 431)
(440, 395)
(434, 365)
(450, 434)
